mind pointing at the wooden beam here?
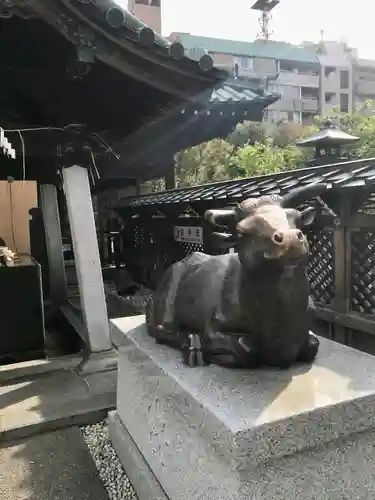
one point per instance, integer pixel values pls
(354, 321)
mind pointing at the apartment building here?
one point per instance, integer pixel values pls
(292, 71)
(364, 83)
(311, 78)
(148, 11)
(336, 81)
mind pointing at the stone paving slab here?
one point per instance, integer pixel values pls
(53, 401)
(53, 466)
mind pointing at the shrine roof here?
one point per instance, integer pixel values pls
(116, 22)
(93, 64)
(350, 174)
(230, 92)
(216, 115)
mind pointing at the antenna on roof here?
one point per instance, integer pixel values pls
(265, 7)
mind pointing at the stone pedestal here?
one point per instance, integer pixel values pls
(213, 433)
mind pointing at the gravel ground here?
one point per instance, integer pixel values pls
(120, 305)
(139, 299)
(109, 466)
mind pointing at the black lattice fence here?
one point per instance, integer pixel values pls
(362, 297)
(150, 247)
(321, 265)
(362, 262)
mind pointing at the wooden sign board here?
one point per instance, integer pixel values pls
(188, 234)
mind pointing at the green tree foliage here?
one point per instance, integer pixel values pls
(263, 148)
(361, 123)
(266, 158)
(248, 133)
(252, 149)
(207, 162)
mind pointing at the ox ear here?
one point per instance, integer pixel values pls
(307, 217)
(219, 217)
(223, 241)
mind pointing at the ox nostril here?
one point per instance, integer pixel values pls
(278, 238)
(299, 235)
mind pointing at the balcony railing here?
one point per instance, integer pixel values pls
(286, 104)
(310, 104)
(298, 79)
(365, 87)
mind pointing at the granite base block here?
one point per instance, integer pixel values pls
(213, 433)
(139, 473)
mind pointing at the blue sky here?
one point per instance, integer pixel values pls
(293, 20)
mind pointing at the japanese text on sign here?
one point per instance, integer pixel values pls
(188, 234)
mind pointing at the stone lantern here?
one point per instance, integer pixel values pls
(327, 143)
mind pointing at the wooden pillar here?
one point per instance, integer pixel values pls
(101, 227)
(87, 259)
(56, 266)
(170, 178)
(342, 258)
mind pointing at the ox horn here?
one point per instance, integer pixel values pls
(220, 217)
(301, 194)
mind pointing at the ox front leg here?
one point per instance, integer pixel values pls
(310, 349)
(192, 353)
(229, 350)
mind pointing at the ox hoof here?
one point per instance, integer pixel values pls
(192, 354)
(309, 352)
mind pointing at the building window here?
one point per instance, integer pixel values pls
(329, 97)
(328, 70)
(344, 103)
(344, 79)
(245, 63)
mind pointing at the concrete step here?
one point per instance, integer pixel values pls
(56, 465)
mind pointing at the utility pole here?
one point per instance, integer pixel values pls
(265, 7)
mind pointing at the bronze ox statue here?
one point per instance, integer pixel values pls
(247, 308)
